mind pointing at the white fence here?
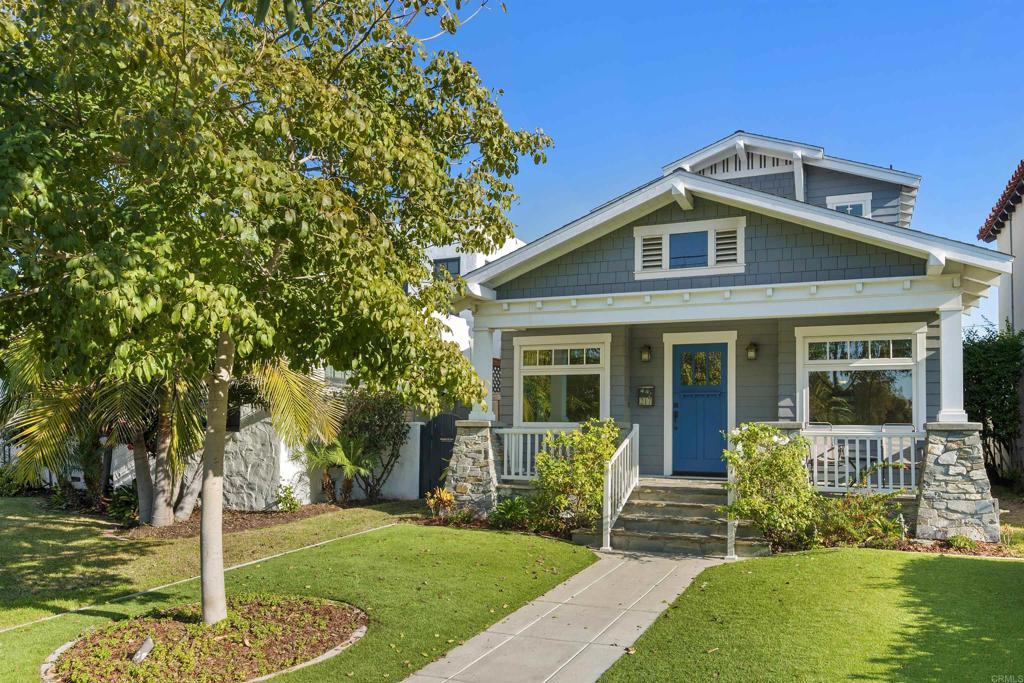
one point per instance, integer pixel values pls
(867, 461)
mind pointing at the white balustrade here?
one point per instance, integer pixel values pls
(864, 461)
(621, 474)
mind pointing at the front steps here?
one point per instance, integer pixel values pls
(677, 516)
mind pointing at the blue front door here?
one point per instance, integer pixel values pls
(700, 408)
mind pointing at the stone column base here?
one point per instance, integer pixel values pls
(471, 474)
(956, 497)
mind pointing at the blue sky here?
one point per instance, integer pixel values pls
(934, 88)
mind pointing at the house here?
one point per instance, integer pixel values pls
(755, 279)
(1005, 227)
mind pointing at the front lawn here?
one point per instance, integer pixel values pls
(840, 614)
(54, 561)
(425, 589)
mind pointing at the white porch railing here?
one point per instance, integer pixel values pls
(519, 451)
(865, 461)
(621, 474)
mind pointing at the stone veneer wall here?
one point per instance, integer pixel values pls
(956, 497)
(471, 474)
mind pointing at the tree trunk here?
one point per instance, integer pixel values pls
(108, 458)
(143, 478)
(211, 540)
(191, 483)
(327, 484)
(163, 477)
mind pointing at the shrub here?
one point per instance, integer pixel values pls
(993, 366)
(570, 476)
(377, 421)
(463, 517)
(123, 506)
(441, 502)
(770, 482)
(9, 485)
(869, 520)
(286, 500)
(511, 513)
(961, 542)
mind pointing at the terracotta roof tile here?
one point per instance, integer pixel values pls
(1007, 202)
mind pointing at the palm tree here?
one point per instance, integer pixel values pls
(347, 453)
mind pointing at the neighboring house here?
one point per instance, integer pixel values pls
(1005, 227)
(460, 324)
(756, 279)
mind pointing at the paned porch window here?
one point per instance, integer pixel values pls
(561, 384)
(861, 381)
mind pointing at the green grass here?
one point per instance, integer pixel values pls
(54, 561)
(833, 615)
(425, 589)
(1011, 517)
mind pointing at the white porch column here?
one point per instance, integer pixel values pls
(951, 358)
(482, 352)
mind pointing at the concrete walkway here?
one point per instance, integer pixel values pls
(574, 632)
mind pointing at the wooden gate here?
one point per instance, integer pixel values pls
(437, 438)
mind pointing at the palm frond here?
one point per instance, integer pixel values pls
(122, 407)
(23, 367)
(48, 429)
(301, 407)
(188, 394)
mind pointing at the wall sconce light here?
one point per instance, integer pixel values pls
(645, 354)
(751, 351)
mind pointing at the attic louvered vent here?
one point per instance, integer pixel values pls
(651, 250)
(726, 247)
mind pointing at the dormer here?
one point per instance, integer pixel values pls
(803, 172)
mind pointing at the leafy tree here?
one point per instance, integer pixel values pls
(184, 192)
(993, 368)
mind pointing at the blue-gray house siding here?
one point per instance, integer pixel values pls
(776, 252)
(821, 183)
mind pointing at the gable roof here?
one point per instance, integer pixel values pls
(1006, 205)
(681, 186)
(743, 141)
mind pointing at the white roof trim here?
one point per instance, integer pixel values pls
(657, 193)
(748, 142)
(888, 175)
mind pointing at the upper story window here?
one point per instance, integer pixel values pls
(713, 247)
(852, 204)
(452, 265)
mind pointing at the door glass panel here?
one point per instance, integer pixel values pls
(686, 369)
(700, 368)
(715, 369)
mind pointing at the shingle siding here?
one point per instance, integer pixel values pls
(776, 252)
(779, 184)
(820, 183)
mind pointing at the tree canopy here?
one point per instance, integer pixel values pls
(171, 171)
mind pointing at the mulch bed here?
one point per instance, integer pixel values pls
(234, 520)
(262, 635)
(943, 548)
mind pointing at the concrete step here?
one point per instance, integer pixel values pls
(680, 493)
(673, 543)
(667, 523)
(674, 508)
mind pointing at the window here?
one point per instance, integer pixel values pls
(561, 380)
(713, 247)
(451, 265)
(852, 204)
(863, 379)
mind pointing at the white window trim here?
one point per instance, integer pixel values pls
(665, 229)
(862, 198)
(519, 344)
(918, 333)
(727, 337)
